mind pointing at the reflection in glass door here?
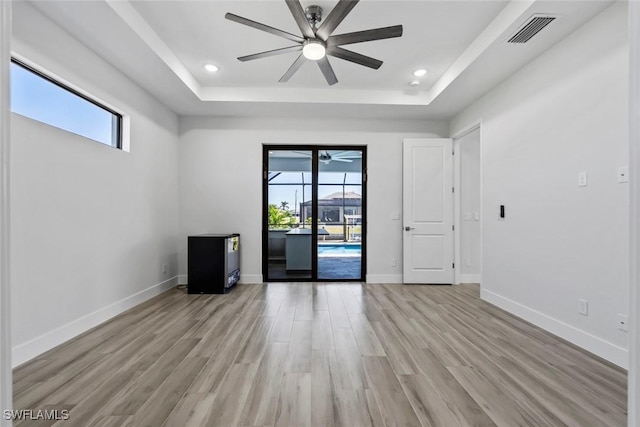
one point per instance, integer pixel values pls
(289, 240)
(314, 210)
(339, 245)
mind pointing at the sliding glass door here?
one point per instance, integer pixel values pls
(339, 244)
(289, 180)
(314, 213)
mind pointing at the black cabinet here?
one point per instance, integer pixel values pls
(214, 263)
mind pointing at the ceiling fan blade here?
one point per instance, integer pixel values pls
(270, 53)
(304, 153)
(292, 69)
(301, 18)
(357, 58)
(327, 71)
(348, 154)
(263, 27)
(335, 17)
(340, 159)
(366, 35)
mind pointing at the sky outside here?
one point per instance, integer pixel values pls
(39, 99)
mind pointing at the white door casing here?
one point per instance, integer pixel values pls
(427, 205)
(634, 147)
(6, 398)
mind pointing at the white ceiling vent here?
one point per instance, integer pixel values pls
(531, 28)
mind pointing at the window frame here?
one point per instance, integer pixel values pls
(315, 150)
(120, 118)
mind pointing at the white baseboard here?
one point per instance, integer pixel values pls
(30, 349)
(469, 278)
(183, 279)
(251, 278)
(384, 278)
(608, 351)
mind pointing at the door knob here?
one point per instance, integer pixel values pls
(407, 228)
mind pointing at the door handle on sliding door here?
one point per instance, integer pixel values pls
(407, 228)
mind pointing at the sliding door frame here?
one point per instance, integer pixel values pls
(314, 149)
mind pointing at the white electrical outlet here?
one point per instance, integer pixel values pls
(393, 262)
(623, 322)
(164, 268)
(584, 307)
(467, 262)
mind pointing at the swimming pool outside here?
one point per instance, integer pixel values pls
(339, 250)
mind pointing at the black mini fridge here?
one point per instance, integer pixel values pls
(213, 263)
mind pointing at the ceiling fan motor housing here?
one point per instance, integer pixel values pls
(314, 15)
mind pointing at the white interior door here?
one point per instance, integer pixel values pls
(427, 211)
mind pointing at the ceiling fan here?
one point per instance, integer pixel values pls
(340, 156)
(326, 157)
(317, 40)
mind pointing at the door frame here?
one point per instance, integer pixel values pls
(6, 375)
(457, 200)
(315, 149)
(634, 210)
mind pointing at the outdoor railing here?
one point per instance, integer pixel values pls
(336, 230)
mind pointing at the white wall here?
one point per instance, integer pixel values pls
(92, 225)
(221, 180)
(634, 294)
(564, 113)
(468, 150)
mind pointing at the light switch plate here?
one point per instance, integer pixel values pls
(623, 174)
(582, 179)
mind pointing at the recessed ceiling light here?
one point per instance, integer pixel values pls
(419, 73)
(211, 68)
(414, 83)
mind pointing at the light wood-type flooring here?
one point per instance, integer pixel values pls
(322, 354)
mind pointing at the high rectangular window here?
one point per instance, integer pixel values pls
(40, 97)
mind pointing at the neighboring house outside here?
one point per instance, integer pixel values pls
(333, 208)
(340, 214)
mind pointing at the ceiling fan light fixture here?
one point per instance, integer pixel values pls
(419, 73)
(314, 49)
